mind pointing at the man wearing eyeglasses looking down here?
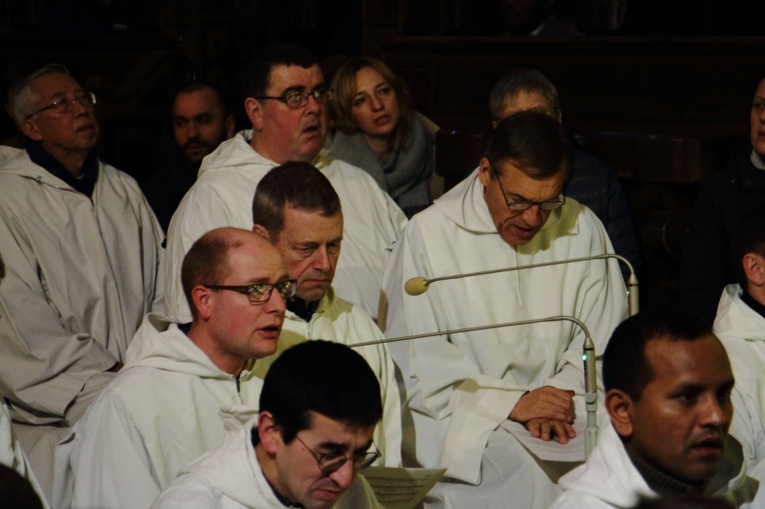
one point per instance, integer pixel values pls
(319, 405)
(470, 395)
(161, 411)
(82, 251)
(287, 105)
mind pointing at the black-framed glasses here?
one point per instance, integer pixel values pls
(259, 293)
(521, 205)
(332, 461)
(298, 98)
(66, 105)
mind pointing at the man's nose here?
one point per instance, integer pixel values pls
(344, 476)
(275, 302)
(321, 259)
(713, 413)
(533, 216)
(192, 131)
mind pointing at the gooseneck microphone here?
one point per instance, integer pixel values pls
(590, 379)
(419, 285)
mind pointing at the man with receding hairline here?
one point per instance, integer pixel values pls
(668, 389)
(161, 412)
(296, 207)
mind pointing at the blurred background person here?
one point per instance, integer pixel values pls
(373, 126)
(200, 121)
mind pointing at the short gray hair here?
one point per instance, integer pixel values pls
(522, 80)
(22, 99)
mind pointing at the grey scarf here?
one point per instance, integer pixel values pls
(404, 175)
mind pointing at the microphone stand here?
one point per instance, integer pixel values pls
(590, 378)
(419, 285)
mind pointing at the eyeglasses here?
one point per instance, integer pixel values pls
(299, 98)
(66, 105)
(259, 293)
(521, 205)
(333, 461)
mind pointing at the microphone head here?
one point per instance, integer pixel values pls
(416, 286)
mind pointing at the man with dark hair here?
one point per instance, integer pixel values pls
(287, 106)
(296, 207)
(471, 394)
(313, 435)
(740, 325)
(82, 251)
(161, 411)
(590, 181)
(200, 121)
(668, 389)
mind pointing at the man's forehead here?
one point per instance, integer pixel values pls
(196, 102)
(332, 431)
(525, 100)
(701, 360)
(55, 83)
(283, 77)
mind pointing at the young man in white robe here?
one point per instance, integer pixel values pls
(319, 405)
(287, 106)
(740, 325)
(472, 395)
(161, 411)
(668, 388)
(296, 207)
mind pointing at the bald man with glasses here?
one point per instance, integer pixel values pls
(161, 411)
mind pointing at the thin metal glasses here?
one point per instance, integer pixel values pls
(521, 205)
(259, 293)
(298, 98)
(66, 105)
(332, 461)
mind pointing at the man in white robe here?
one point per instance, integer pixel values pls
(287, 105)
(740, 325)
(296, 207)
(466, 391)
(161, 411)
(312, 437)
(668, 394)
(82, 251)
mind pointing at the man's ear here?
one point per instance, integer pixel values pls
(620, 406)
(31, 130)
(754, 268)
(202, 297)
(484, 171)
(260, 230)
(254, 110)
(269, 432)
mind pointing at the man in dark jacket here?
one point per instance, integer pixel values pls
(590, 181)
(708, 263)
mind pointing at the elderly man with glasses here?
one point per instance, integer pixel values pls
(310, 440)
(471, 396)
(161, 411)
(286, 102)
(82, 251)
